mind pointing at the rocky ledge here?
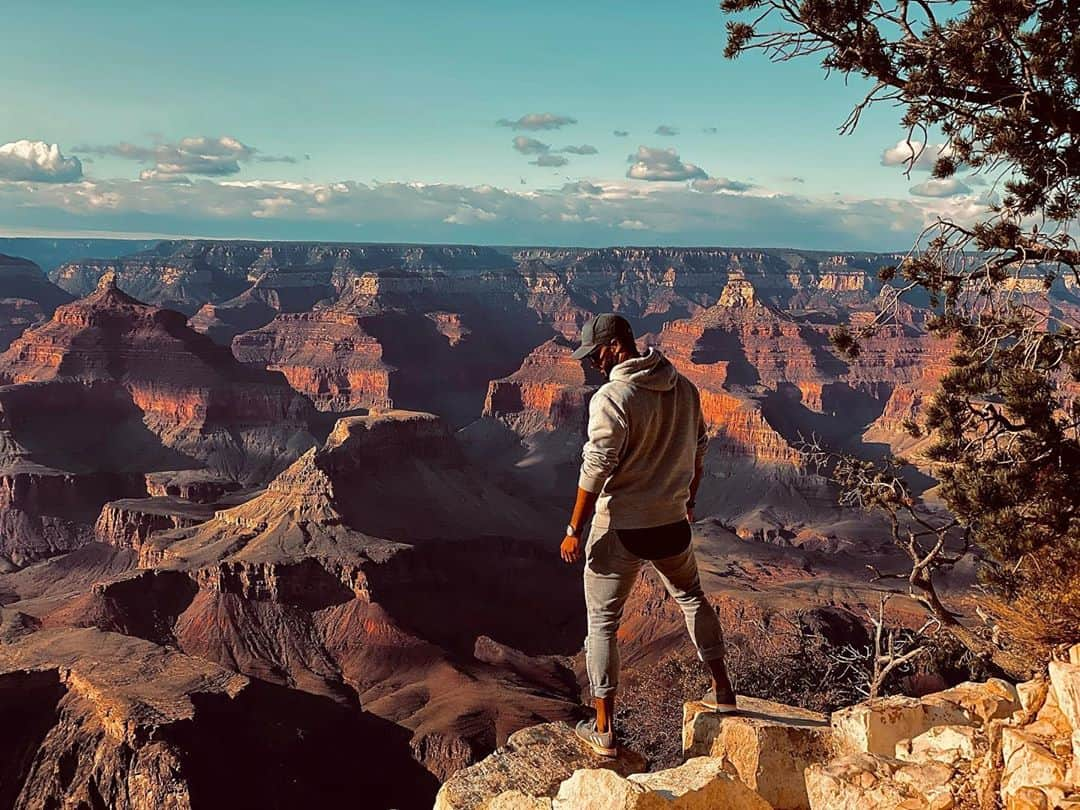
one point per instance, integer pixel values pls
(99, 719)
(976, 745)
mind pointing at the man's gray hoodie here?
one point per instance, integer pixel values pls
(646, 439)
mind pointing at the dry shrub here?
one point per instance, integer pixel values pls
(1043, 616)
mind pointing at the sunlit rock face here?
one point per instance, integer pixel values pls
(189, 394)
(325, 355)
(111, 388)
(548, 392)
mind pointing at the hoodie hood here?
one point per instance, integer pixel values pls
(652, 370)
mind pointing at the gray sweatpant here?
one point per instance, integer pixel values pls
(610, 573)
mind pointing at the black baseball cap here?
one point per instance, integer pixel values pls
(601, 329)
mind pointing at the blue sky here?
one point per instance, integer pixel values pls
(372, 121)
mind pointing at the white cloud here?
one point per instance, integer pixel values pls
(155, 176)
(633, 225)
(530, 146)
(272, 207)
(713, 184)
(661, 165)
(534, 121)
(582, 187)
(470, 215)
(37, 162)
(904, 151)
(219, 156)
(584, 149)
(933, 187)
(550, 160)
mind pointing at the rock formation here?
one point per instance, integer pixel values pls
(332, 581)
(26, 297)
(129, 523)
(547, 393)
(207, 408)
(185, 275)
(107, 720)
(23, 280)
(977, 745)
(325, 354)
(150, 394)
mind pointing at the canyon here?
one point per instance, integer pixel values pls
(296, 505)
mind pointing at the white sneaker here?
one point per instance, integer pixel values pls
(602, 744)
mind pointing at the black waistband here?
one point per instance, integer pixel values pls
(656, 542)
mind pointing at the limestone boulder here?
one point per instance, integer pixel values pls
(516, 800)
(876, 726)
(1029, 762)
(1028, 798)
(1046, 797)
(700, 783)
(990, 700)
(1050, 720)
(870, 782)
(951, 745)
(1065, 681)
(534, 762)
(1032, 695)
(767, 745)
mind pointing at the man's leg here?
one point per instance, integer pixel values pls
(680, 576)
(610, 572)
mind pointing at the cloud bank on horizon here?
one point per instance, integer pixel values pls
(191, 187)
(216, 138)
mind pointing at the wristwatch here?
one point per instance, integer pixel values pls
(571, 531)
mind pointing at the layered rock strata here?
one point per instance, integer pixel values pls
(549, 392)
(325, 355)
(105, 720)
(130, 523)
(316, 568)
(208, 408)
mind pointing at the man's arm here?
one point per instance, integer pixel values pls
(570, 550)
(699, 458)
(600, 457)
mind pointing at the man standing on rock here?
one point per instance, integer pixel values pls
(640, 473)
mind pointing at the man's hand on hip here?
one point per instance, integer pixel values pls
(570, 550)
